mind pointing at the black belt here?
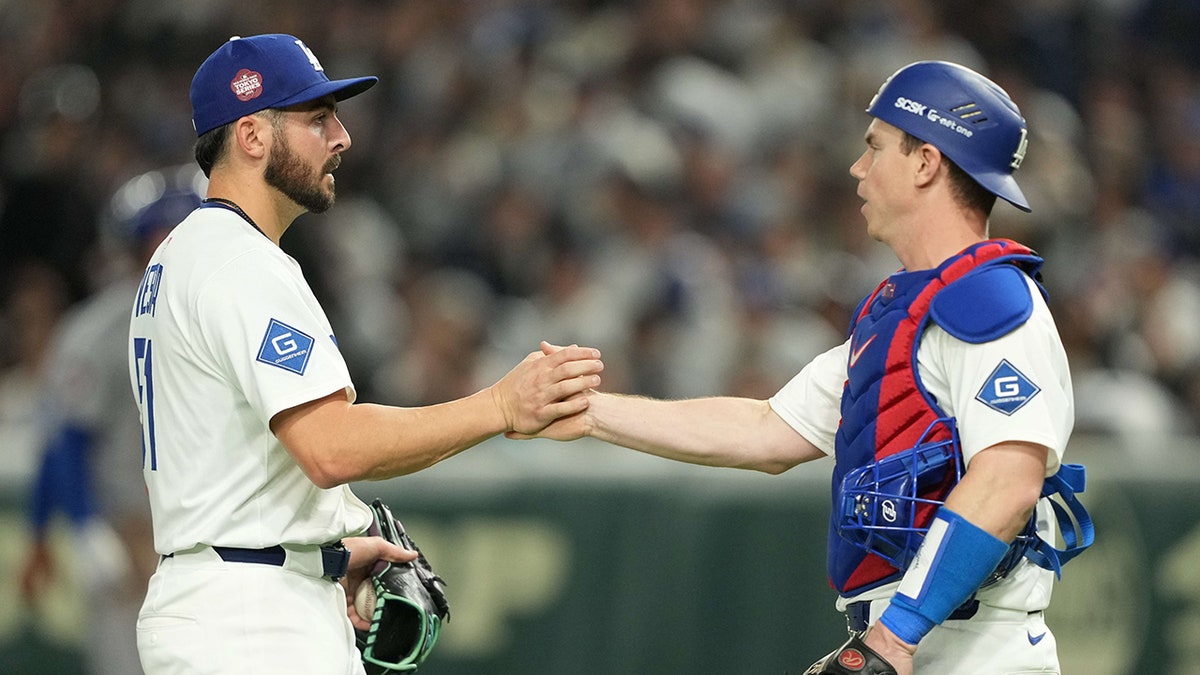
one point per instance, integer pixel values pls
(858, 614)
(334, 557)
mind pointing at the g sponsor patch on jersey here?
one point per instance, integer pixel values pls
(285, 347)
(1007, 389)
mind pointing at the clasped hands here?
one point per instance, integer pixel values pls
(547, 393)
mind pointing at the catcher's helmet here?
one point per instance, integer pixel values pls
(962, 113)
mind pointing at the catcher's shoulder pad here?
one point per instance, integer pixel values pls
(984, 305)
(852, 658)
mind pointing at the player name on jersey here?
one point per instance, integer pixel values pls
(148, 291)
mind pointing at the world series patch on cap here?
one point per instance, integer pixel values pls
(246, 75)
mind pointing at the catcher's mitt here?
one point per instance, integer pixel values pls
(409, 604)
(852, 658)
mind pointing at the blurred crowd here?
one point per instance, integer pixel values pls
(666, 180)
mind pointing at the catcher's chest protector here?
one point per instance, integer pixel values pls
(885, 408)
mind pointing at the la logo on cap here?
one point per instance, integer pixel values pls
(246, 85)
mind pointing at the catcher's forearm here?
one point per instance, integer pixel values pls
(719, 431)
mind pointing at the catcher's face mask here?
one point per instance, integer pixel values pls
(884, 510)
(883, 505)
(402, 633)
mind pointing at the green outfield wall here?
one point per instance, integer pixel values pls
(587, 559)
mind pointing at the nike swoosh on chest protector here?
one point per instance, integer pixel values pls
(859, 352)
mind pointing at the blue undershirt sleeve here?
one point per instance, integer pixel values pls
(63, 482)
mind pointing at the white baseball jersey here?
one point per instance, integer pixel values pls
(226, 333)
(954, 372)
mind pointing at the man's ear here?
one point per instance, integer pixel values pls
(930, 164)
(252, 135)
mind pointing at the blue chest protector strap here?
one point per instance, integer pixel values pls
(1074, 522)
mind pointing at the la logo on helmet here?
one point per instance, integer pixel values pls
(1019, 153)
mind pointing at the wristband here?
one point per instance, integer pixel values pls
(953, 561)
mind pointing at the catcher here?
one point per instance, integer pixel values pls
(946, 411)
(397, 608)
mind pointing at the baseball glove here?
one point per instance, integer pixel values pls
(408, 607)
(852, 658)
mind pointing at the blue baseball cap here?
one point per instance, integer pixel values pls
(246, 75)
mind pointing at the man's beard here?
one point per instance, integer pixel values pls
(291, 176)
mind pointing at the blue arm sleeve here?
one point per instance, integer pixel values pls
(954, 560)
(64, 480)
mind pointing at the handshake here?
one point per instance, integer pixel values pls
(548, 393)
